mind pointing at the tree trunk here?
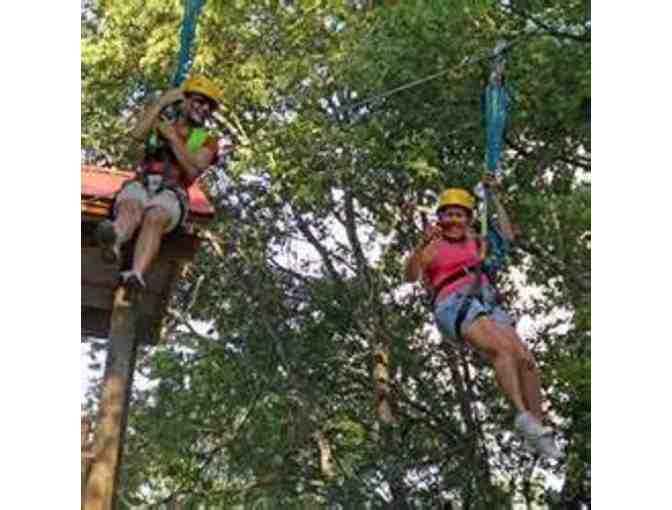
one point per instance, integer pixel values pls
(381, 383)
(479, 483)
(326, 458)
(85, 450)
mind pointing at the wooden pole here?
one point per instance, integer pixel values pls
(85, 431)
(110, 430)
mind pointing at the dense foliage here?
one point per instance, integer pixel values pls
(296, 369)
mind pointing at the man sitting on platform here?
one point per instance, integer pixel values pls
(176, 155)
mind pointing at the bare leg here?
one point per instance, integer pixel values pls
(129, 216)
(111, 235)
(484, 335)
(528, 372)
(154, 225)
(517, 375)
(529, 375)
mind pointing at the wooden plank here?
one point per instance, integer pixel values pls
(177, 246)
(96, 323)
(103, 182)
(101, 298)
(96, 273)
(99, 210)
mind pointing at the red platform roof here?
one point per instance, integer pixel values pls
(100, 184)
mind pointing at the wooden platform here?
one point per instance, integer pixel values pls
(99, 279)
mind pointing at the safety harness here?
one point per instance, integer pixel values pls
(465, 271)
(474, 291)
(157, 149)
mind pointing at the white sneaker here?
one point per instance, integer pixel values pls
(528, 425)
(546, 445)
(537, 435)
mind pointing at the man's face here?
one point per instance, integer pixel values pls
(198, 108)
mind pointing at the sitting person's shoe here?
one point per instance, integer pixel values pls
(132, 280)
(106, 238)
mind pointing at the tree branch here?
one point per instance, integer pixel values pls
(324, 254)
(351, 230)
(585, 39)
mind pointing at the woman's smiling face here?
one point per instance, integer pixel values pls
(453, 220)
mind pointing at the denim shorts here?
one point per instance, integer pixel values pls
(445, 311)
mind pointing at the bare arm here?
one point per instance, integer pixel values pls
(193, 164)
(149, 117)
(421, 255)
(413, 265)
(502, 217)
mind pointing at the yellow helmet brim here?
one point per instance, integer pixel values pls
(203, 86)
(456, 197)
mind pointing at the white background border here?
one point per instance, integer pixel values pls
(39, 364)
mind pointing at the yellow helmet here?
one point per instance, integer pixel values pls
(456, 196)
(204, 86)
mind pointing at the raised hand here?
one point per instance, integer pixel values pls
(431, 233)
(171, 96)
(490, 181)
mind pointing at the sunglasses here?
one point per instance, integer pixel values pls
(201, 100)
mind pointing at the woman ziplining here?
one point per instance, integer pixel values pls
(464, 304)
(451, 261)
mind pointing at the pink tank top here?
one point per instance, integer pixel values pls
(449, 259)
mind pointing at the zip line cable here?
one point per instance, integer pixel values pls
(498, 53)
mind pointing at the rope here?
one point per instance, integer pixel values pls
(482, 196)
(399, 89)
(494, 108)
(185, 58)
(192, 9)
(495, 101)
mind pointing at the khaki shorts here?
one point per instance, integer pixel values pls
(172, 200)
